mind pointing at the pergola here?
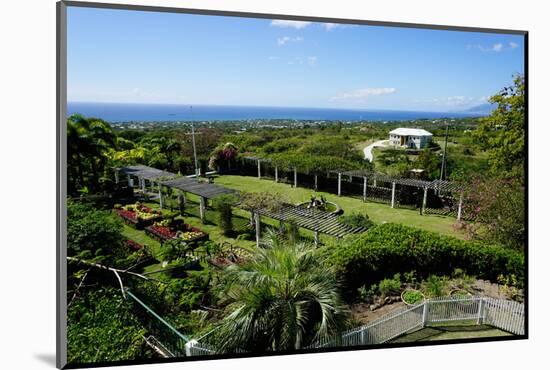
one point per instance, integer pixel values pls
(312, 219)
(436, 185)
(204, 190)
(143, 173)
(180, 183)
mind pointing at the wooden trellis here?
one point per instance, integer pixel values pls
(311, 219)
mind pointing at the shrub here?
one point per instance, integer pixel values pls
(224, 206)
(390, 248)
(357, 220)
(390, 286)
(434, 286)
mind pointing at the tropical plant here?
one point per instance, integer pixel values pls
(88, 141)
(284, 298)
(435, 286)
(223, 156)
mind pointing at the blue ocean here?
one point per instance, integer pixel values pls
(118, 112)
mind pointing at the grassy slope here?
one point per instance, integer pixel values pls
(379, 213)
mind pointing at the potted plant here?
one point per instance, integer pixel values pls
(412, 296)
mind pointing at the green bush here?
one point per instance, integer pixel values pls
(224, 206)
(356, 220)
(388, 249)
(435, 286)
(412, 296)
(390, 286)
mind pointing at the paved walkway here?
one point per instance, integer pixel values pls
(368, 149)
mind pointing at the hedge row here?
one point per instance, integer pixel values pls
(390, 248)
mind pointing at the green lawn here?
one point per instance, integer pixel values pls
(379, 213)
(450, 331)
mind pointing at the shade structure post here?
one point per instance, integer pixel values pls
(161, 201)
(259, 169)
(393, 194)
(276, 174)
(116, 176)
(339, 184)
(364, 188)
(202, 209)
(459, 213)
(142, 182)
(295, 178)
(374, 181)
(257, 223)
(424, 200)
(316, 187)
(129, 181)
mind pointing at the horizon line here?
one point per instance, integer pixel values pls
(276, 106)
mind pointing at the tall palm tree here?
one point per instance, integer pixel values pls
(284, 298)
(87, 142)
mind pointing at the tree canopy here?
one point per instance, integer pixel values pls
(502, 134)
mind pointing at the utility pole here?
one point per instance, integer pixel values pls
(443, 164)
(194, 146)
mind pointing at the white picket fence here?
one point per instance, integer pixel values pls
(502, 314)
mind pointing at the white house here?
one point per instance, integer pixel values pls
(410, 137)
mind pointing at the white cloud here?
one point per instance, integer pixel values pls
(312, 60)
(289, 24)
(453, 101)
(272, 57)
(497, 48)
(286, 39)
(330, 26)
(363, 94)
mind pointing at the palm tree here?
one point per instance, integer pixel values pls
(87, 141)
(284, 298)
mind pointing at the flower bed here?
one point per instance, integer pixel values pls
(132, 245)
(138, 215)
(175, 229)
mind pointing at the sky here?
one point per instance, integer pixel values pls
(123, 56)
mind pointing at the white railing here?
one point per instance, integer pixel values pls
(502, 314)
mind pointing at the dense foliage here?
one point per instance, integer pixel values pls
(93, 235)
(88, 142)
(102, 327)
(390, 248)
(498, 207)
(502, 134)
